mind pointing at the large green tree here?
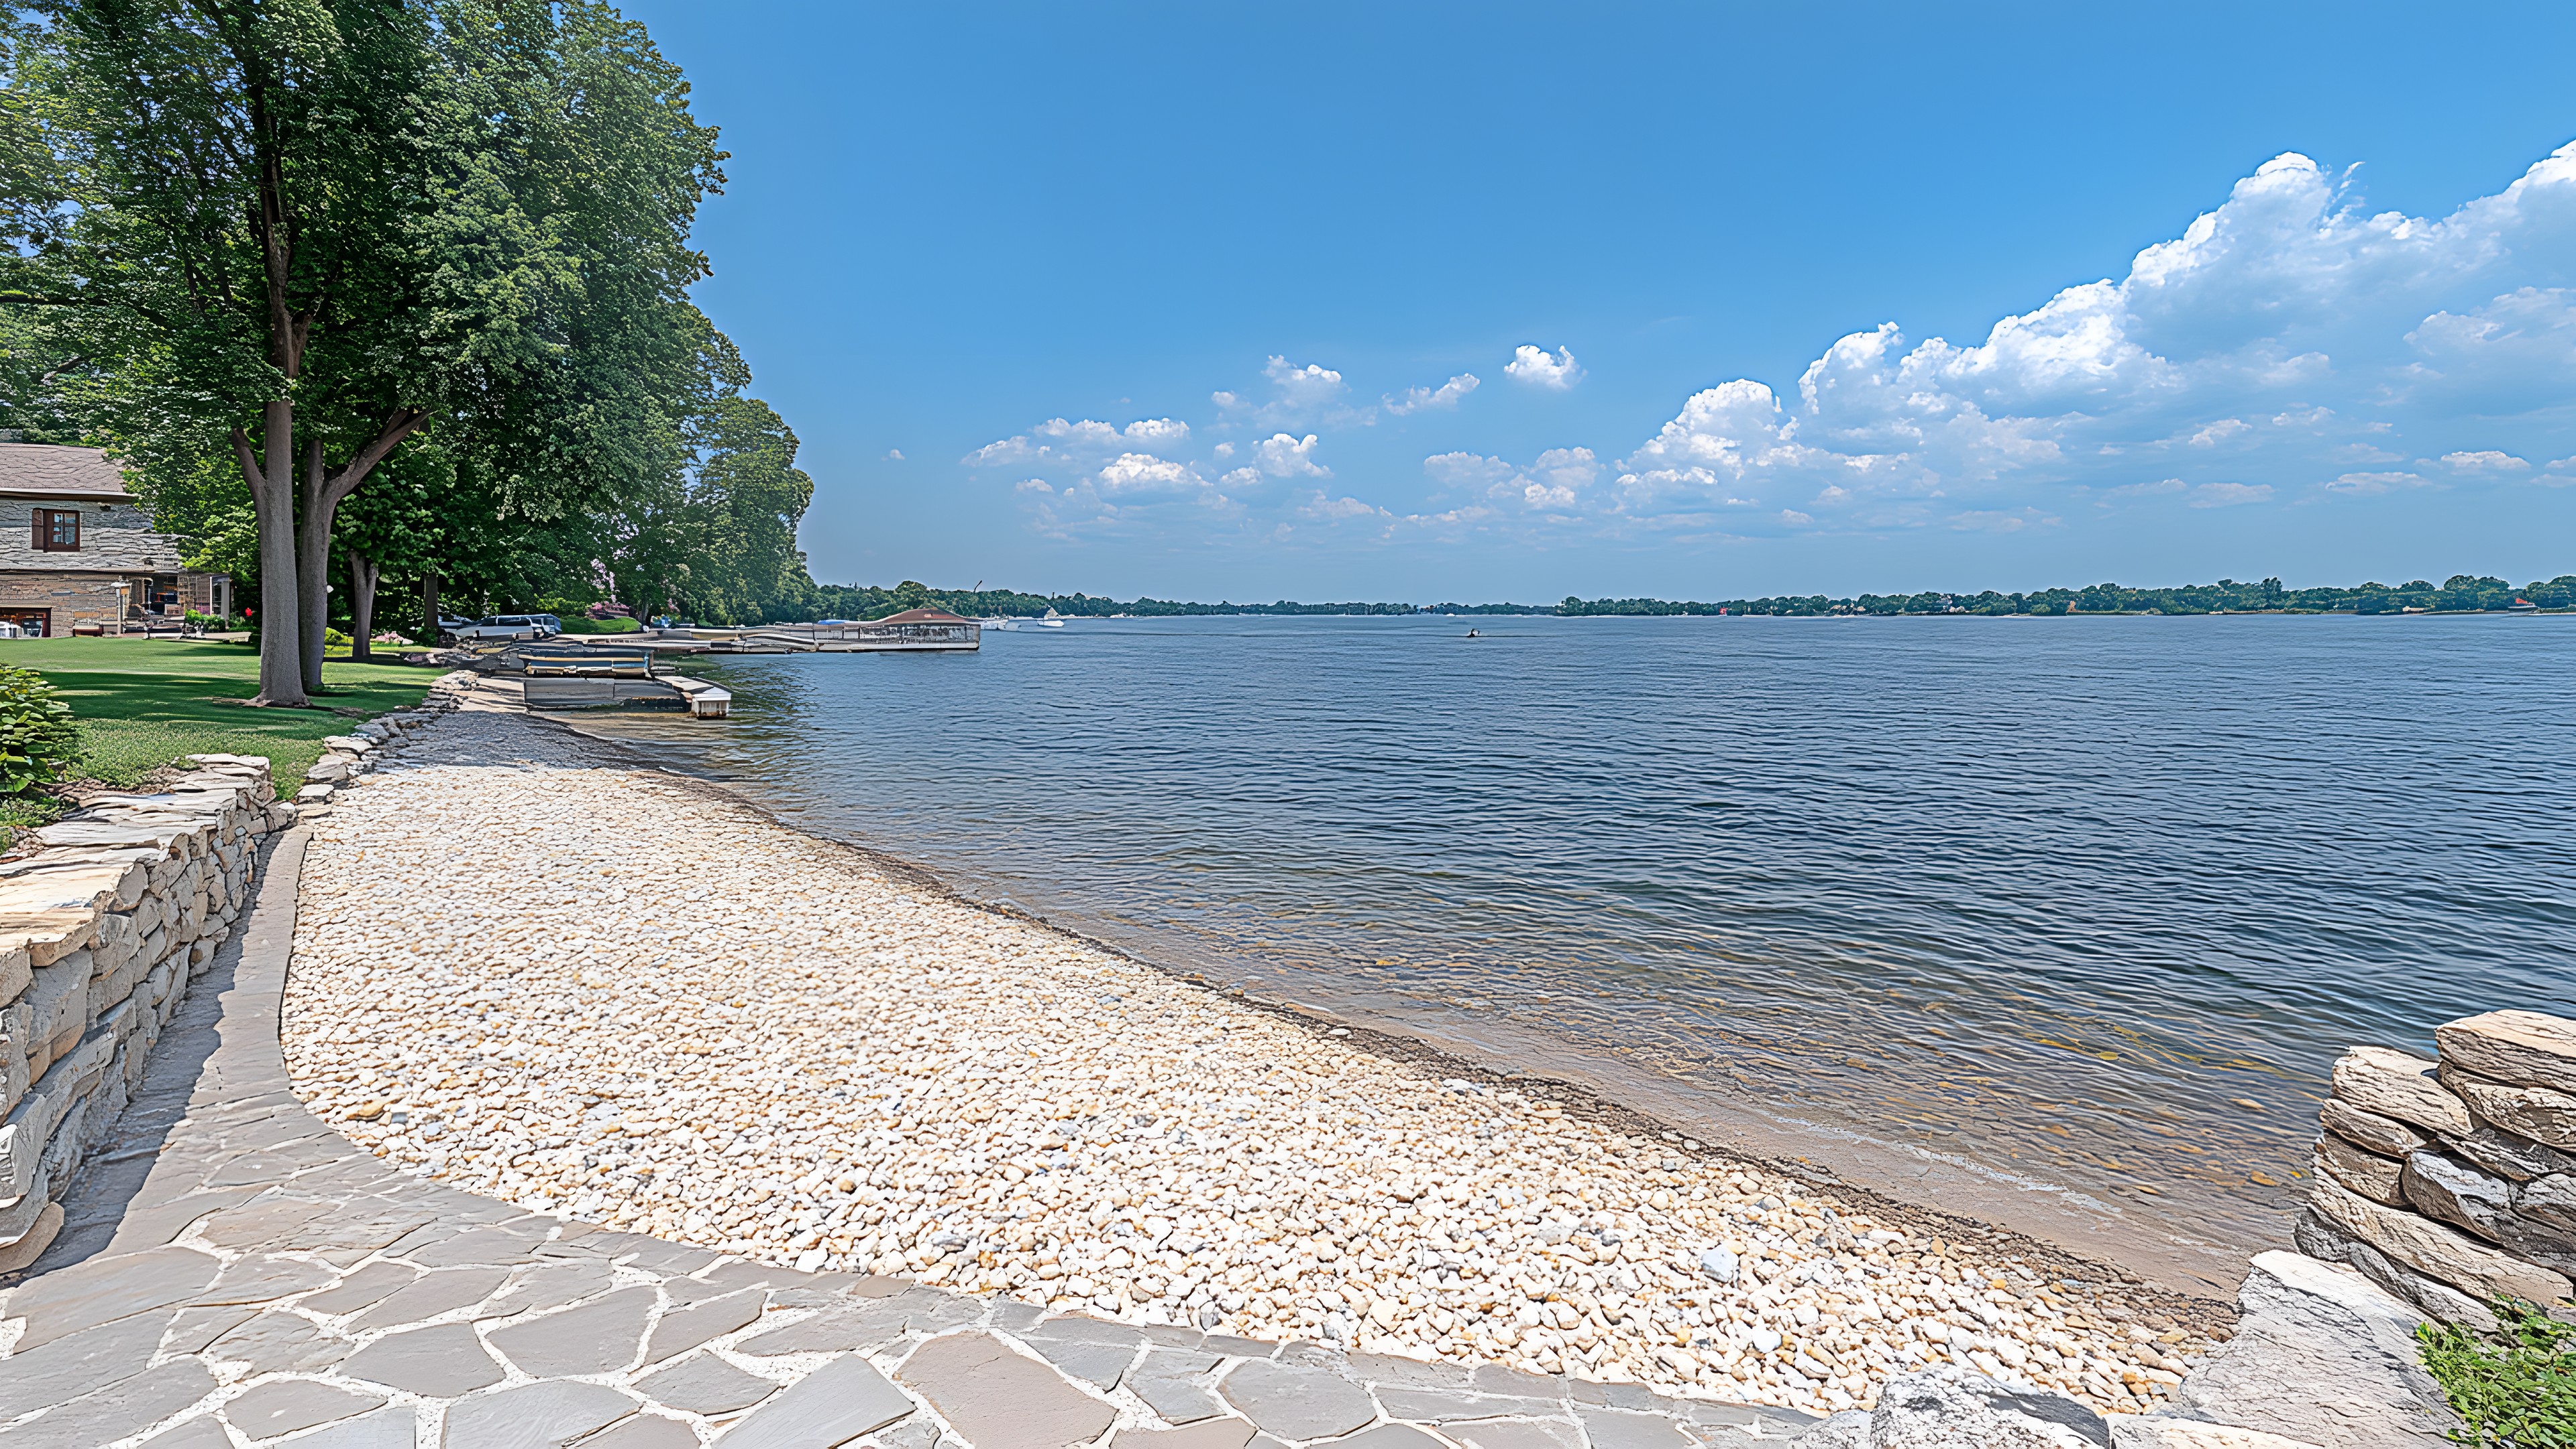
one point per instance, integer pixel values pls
(293, 232)
(714, 536)
(751, 496)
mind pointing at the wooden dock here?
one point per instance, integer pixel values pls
(606, 677)
(915, 631)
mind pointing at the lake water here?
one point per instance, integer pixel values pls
(2056, 920)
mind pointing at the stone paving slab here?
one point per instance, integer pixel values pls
(232, 1272)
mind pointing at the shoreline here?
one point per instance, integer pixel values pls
(1294, 1177)
(2048, 1217)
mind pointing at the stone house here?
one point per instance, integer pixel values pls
(78, 550)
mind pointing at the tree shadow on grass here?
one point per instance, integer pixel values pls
(213, 701)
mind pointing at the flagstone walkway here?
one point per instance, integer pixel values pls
(234, 1272)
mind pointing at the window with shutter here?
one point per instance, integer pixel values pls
(58, 530)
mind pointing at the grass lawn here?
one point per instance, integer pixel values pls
(142, 703)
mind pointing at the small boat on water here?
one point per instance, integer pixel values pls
(1053, 620)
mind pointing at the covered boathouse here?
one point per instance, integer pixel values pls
(920, 629)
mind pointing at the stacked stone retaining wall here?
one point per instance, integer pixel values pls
(102, 927)
(2452, 1183)
(100, 930)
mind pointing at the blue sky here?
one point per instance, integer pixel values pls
(1186, 299)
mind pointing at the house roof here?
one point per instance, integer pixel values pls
(44, 470)
(921, 616)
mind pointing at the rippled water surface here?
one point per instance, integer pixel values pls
(2089, 902)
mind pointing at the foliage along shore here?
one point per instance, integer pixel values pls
(2459, 594)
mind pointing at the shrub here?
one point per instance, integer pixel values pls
(2517, 1393)
(38, 742)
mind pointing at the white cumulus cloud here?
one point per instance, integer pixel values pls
(1308, 386)
(1555, 371)
(1065, 439)
(1330, 509)
(1560, 480)
(1282, 456)
(1446, 395)
(2288, 346)
(1142, 475)
(2287, 331)
(2487, 460)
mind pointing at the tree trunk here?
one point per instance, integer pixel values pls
(362, 607)
(323, 493)
(313, 562)
(272, 492)
(429, 610)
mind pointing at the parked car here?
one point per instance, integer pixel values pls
(503, 626)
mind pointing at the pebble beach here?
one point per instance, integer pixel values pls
(533, 968)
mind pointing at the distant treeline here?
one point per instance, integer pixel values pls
(2461, 593)
(845, 601)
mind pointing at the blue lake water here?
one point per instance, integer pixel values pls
(2066, 910)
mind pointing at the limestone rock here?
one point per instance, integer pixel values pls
(31, 1244)
(2546, 1244)
(2519, 1048)
(2550, 1199)
(2380, 1179)
(2321, 1357)
(2329, 1243)
(2441, 1186)
(2437, 1251)
(2137, 1431)
(1846, 1430)
(1952, 1408)
(2543, 1114)
(2394, 1084)
(2507, 1155)
(2384, 1135)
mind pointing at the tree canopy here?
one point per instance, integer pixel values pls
(274, 253)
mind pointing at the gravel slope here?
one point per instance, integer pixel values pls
(545, 976)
